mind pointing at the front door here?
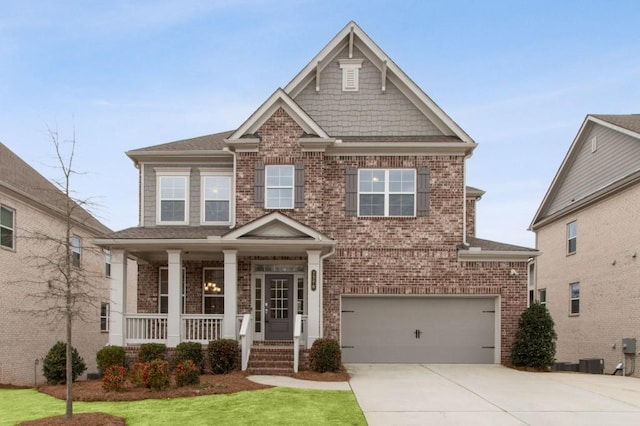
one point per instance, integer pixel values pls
(279, 307)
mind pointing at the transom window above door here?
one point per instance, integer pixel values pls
(386, 192)
(173, 199)
(279, 187)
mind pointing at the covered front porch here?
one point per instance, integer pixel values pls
(262, 281)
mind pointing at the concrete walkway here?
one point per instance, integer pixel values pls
(435, 394)
(290, 382)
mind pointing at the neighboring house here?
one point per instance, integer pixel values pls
(588, 274)
(30, 204)
(337, 209)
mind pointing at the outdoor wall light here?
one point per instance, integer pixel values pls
(314, 278)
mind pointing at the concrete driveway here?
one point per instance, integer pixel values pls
(437, 394)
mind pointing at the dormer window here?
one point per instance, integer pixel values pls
(350, 73)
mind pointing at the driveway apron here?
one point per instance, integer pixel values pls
(461, 394)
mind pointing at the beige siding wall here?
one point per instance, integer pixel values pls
(24, 336)
(608, 232)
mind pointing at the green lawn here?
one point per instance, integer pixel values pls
(278, 406)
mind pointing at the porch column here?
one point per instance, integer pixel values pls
(230, 294)
(117, 297)
(314, 292)
(175, 297)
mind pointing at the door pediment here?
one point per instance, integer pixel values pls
(275, 226)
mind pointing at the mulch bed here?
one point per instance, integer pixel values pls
(210, 384)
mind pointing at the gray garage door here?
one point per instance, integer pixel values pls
(418, 329)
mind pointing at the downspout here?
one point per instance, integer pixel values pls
(233, 205)
(322, 258)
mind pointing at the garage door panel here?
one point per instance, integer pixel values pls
(449, 330)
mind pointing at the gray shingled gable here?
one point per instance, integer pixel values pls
(170, 232)
(18, 176)
(489, 245)
(626, 121)
(201, 143)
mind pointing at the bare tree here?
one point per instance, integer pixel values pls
(65, 291)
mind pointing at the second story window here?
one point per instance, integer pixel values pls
(173, 200)
(386, 192)
(574, 307)
(279, 187)
(572, 237)
(107, 263)
(216, 198)
(76, 249)
(7, 227)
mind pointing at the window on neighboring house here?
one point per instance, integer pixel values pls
(542, 296)
(107, 263)
(572, 235)
(104, 316)
(387, 192)
(163, 296)
(76, 249)
(7, 227)
(279, 187)
(173, 198)
(217, 198)
(575, 298)
(213, 291)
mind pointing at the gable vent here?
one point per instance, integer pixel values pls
(350, 73)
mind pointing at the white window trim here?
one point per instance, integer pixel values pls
(569, 237)
(208, 173)
(350, 66)
(13, 228)
(170, 172)
(571, 299)
(184, 288)
(387, 193)
(540, 292)
(105, 317)
(267, 187)
(107, 261)
(75, 250)
(204, 296)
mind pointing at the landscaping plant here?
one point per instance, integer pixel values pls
(189, 351)
(535, 343)
(54, 366)
(113, 378)
(158, 376)
(223, 355)
(110, 356)
(325, 355)
(187, 373)
(152, 351)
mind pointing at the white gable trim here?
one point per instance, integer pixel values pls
(377, 56)
(274, 219)
(566, 162)
(278, 99)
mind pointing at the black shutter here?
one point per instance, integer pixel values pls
(422, 193)
(299, 185)
(258, 187)
(351, 191)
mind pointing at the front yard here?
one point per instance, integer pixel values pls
(282, 406)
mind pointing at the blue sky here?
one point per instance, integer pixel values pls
(519, 77)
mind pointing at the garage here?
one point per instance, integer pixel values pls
(419, 330)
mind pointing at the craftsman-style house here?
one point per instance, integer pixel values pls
(337, 209)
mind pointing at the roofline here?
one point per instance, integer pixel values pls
(215, 242)
(560, 173)
(496, 255)
(138, 156)
(442, 120)
(400, 148)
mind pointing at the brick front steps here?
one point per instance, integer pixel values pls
(274, 357)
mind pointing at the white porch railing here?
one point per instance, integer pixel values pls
(246, 339)
(145, 328)
(297, 331)
(201, 328)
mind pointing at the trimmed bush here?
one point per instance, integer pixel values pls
(325, 355)
(535, 343)
(223, 355)
(109, 356)
(54, 366)
(191, 351)
(139, 374)
(187, 373)
(152, 351)
(113, 378)
(158, 377)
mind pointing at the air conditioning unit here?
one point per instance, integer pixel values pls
(591, 365)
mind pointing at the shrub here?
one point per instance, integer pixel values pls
(535, 342)
(158, 375)
(189, 351)
(113, 378)
(223, 355)
(139, 375)
(187, 373)
(325, 355)
(54, 366)
(152, 351)
(110, 356)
